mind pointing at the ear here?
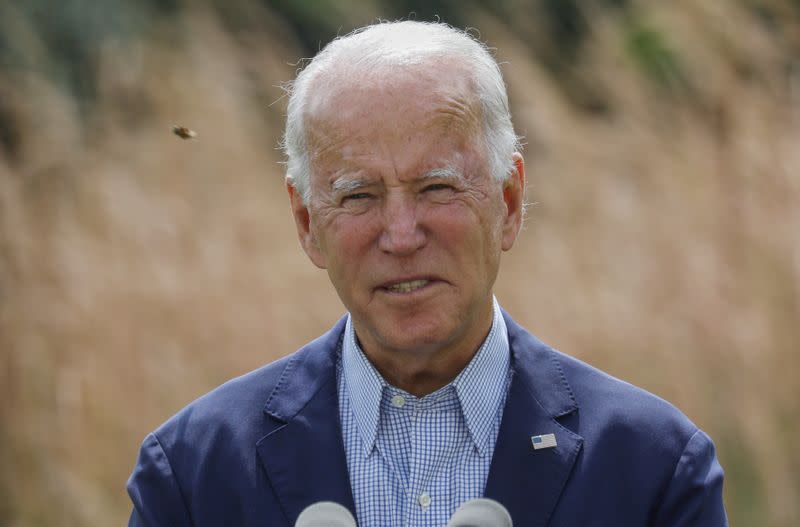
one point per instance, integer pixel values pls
(302, 220)
(514, 199)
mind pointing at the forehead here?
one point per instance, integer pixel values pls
(357, 112)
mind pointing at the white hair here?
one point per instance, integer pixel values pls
(396, 43)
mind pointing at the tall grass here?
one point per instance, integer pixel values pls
(138, 270)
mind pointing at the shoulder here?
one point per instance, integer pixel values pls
(620, 407)
(608, 412)
(232, 401)
(238, 410)
(637, 444)
(201, 463)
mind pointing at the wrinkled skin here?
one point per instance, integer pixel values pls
(401, 192)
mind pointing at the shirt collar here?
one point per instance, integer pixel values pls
(364, 386)
(480, 386)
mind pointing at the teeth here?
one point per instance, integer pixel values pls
(407, 287)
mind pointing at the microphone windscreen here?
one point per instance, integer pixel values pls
(325, 514)
(480, 512)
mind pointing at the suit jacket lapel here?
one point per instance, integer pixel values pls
(529, 482)
(304, 454)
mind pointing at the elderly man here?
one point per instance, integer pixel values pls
(406, 186)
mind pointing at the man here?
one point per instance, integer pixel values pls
(406, 186)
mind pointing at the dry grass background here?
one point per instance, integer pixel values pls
(138, 271)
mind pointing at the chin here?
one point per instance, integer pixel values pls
(417, 335)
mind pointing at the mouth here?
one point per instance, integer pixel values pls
(407, 287)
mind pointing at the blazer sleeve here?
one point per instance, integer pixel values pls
(694, 495)
(154, 491)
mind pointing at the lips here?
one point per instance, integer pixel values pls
(407, 285)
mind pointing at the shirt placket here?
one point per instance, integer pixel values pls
(428, 501)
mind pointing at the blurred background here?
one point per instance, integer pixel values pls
(139, 270)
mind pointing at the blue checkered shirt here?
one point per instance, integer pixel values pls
(413, 461)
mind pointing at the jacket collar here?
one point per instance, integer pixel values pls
(527, 481)
(304, 454)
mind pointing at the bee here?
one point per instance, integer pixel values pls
(183, 132)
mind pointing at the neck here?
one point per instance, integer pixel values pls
(419, 380)
(422, 371)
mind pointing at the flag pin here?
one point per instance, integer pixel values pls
(543, 441)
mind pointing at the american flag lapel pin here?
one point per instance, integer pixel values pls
(543, 441)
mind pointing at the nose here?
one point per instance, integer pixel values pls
(402, 234)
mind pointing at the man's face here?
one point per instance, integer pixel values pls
(404, 214)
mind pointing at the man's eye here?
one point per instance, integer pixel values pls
(437, 186)
(356, 196)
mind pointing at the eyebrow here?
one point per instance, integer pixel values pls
(345, 185)
(444, 173)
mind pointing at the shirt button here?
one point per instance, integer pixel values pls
(424, 500)
(398, 401)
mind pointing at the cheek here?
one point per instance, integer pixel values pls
(457, 229)
(346, 238)
(472, 236)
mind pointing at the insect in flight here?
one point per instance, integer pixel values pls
(183, 132)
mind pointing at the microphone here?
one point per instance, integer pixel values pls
(480, 512)
(325, 514)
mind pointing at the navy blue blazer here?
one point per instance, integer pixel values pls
(260, 448)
